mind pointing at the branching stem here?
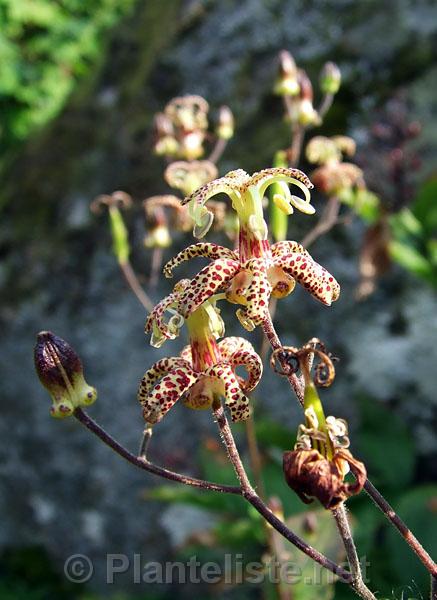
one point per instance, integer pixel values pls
(341, 519)
(251, 496)
(405, 532)
(144, 464)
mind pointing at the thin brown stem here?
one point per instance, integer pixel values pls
(218, 150)
(250, 495)
(328, 219)
(144, 464)
(325, 104)
(294, 381)
(405, 532)
(433, 595)
(134, 284)
(340, 516)
(254, 455)
(155, 267)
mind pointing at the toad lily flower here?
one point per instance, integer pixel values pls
(204, 372)
(256, 270)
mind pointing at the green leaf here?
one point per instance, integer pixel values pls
(417, 508)
(194, 497)
(385, 446)
(411, 259)
(425, 206)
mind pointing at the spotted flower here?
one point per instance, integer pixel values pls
(334, 176)
(205, 370)
(255, 271)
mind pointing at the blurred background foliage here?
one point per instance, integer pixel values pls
(45, 47)
(79, 83)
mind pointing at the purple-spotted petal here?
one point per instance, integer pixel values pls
(254, 367)
(235, 399)
(312, 276)
(203, 249)
(166, 393)
(229, 345)
(287, 247)
(159, 369)
(206, 283)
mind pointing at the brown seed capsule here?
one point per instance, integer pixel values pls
(60, 371)
(311, 475)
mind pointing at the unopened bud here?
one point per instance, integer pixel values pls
(330, 78)
(60, 371)
(225, 125)
(286, 83)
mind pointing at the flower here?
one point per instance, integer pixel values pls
(60, 371)
(334, 177)
(256, 270)
(205, 370)
(188, 176)
(181, 130)
(317, 466)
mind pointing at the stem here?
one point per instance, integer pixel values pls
(144, 464)
(250, 495)
(145, 441)
(433, 588)
(155, 267)
(134, 284)
(275, 343)
(254, 454)
(408, 536)
(340, 516)
(325, 105)
(218, 150)
(295, 149)
(328, 219)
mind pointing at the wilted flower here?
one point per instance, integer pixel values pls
(311, 475)
(205, 370)
(254, 272)
(60, 371)
(317, 466)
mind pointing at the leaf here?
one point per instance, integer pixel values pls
(418, 508)
(385, 446)
(425, 206)
(306, 579)
(194, 497)
(411, 259)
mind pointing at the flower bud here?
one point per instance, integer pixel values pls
(330, 78)
(60, 371)
(286, 83)
(225, 124)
